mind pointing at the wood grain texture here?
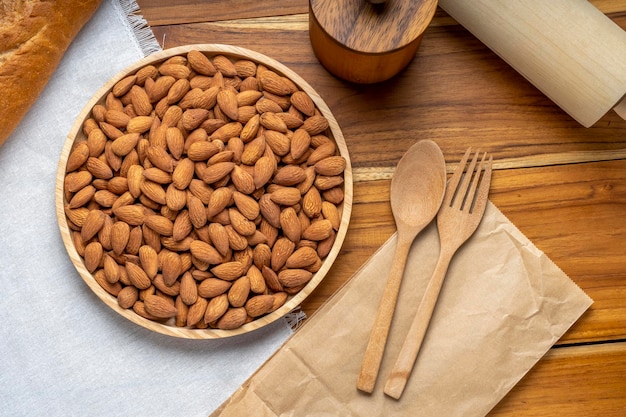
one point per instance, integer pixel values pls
(164, 12)
(572, 381)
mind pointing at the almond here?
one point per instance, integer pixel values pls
(117, 118)
(242, 180)
(270, 210)
(331, 212)
(294, 277)
(264, 169)
(302, 257)
(315, 124)
(111, 269)
(323, 183)
(193, 118)
(270, 121)
(93, 256)
(139, 124)
(259, 305)
(113, 289)
(200, 63)
(330, 166)
(300, 143)
(271, 279)
(286, 196)
(176, 71)
(239, 291)
(131, 214)
(274, 83)
(182, 226)
(175, 199)
(216, 308)
(183, 173)
(157, 175)
(159, 157)
(154, 191)
(123, 86)
(177, 91)
(92, 224)
(279, 299)
(224, 65)
(159, 307)
(78, 156)
(318, 230)
(227, 100)
(161, 225)
(257, 282)
(227, 131)
(289, 175)
(202, 150)
(248, 97)
(218, 171)
(240, 223)
(219, 200)
(282, 250)
(127, 296)
(312, 203)
(253, 150)
(175, 142)
(75, 181)
(213, 287)
(82, 197)
(290, 224)
(120, 235)
(278, 142)
(303, 102)
(232, 319)
(197, 311)
(98, 168)
(246, 205)
(140, 100)
(245, 68)
(171, 267)
(229, 271)
(205, 252)
(149, 260)
(137, 276)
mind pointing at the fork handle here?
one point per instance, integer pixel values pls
(412, 343)
(380, 330)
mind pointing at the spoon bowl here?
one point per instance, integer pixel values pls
(417, 190)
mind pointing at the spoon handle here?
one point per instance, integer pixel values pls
(380, 331)
(412, 343)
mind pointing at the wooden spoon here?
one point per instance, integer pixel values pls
(417, 190)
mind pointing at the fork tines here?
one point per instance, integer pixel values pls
(480, 175)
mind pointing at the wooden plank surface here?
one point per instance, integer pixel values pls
(562, 185)
(576, 381)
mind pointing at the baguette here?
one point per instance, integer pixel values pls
(34, 35)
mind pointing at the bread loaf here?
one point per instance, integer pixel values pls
(34, 35)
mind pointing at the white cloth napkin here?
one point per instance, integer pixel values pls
(63, 352)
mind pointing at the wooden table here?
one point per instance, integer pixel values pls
(562, 185)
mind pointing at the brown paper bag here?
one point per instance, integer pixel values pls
(502, 307)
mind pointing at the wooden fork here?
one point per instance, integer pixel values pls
(461, 212)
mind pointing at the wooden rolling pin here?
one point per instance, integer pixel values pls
(568, 49)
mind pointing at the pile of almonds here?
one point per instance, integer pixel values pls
(206, 191)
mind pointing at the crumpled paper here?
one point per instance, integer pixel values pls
(503, 305)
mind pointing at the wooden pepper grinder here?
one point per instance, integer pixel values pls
(367, 41)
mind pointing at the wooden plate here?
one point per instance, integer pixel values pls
(76, 134)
